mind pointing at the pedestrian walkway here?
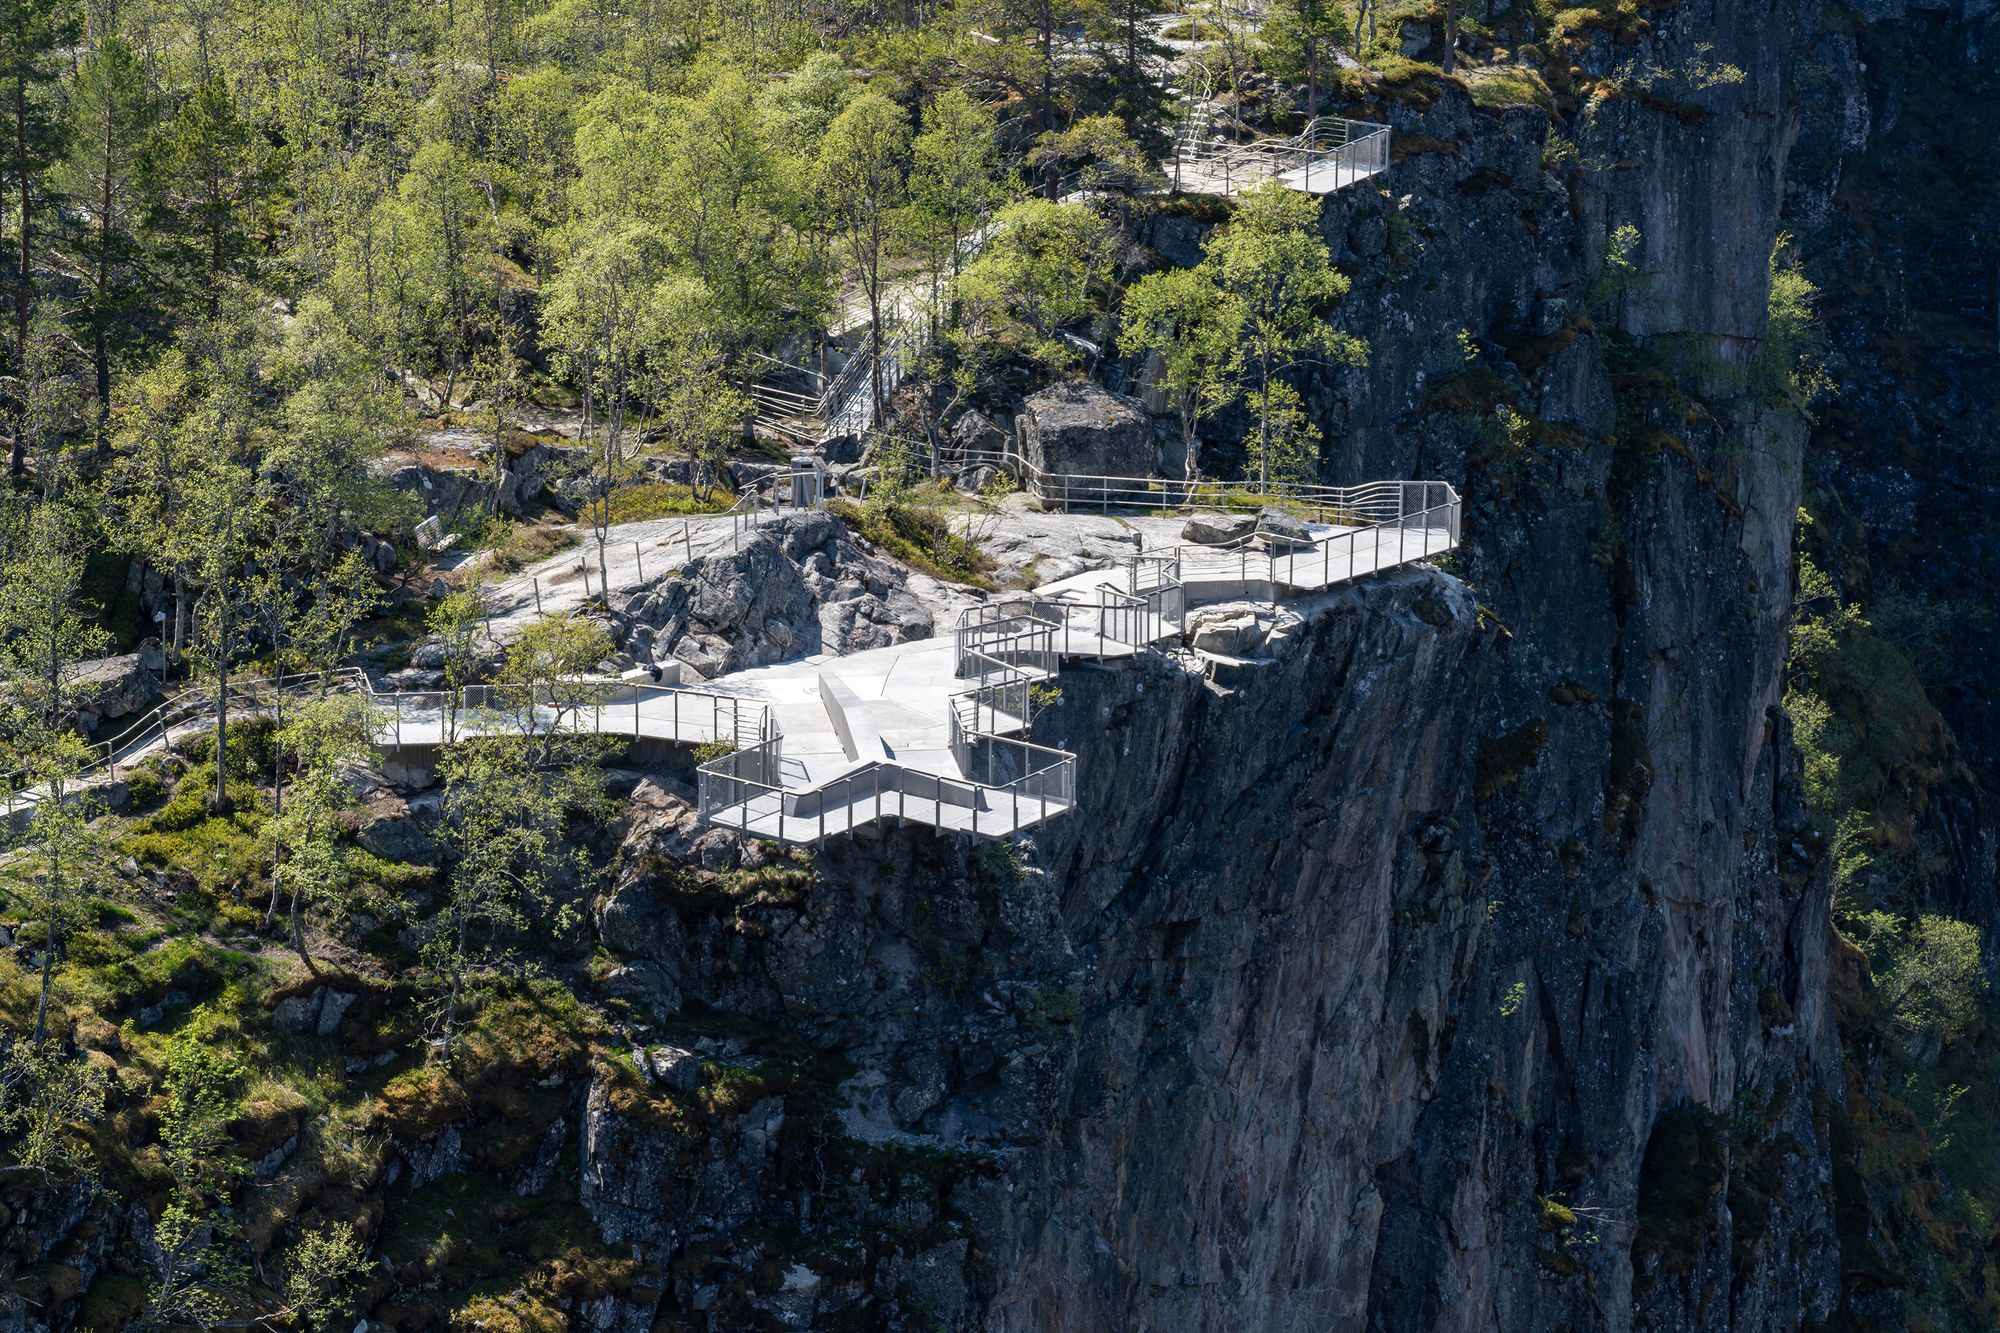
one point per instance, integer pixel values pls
(934, 732)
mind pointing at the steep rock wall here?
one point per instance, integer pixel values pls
(1437, 976)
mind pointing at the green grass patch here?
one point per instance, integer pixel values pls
(1512, 85)
(218, 853)
(920, 535)
(140, 967)
(665, 499)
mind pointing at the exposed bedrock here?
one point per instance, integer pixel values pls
(1165, 1052)
(1449, 966)
(790, 590)
(1588, 1084)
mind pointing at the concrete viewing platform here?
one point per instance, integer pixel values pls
(934, 731)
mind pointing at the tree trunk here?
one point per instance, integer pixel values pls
(100, 345)
(1192, 465)
(457, 985)
(220, 805)
(23, 297)
(299, 932)
(48, 974)
(1264, 422)
(277, 751)
(873, 281)
(1450, 61)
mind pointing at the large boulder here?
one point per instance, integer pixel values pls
(455, 489)
(1230, 633)
(975, 434)
(1083, 429)
(1278, 528)
(1219, 529)
(450, 492)
(791, 590)
(112, 688)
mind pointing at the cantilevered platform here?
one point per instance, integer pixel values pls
(931, 732)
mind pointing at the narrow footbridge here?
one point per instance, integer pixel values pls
(935, 732)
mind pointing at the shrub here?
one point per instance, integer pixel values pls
(664, 499)
(919, 534)
(1932, 981)
(217, 852)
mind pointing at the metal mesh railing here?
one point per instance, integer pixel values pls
(1329, 154)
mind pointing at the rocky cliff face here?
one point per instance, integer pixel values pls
(1462, 967)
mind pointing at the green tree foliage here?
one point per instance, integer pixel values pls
(112, 110)
(443, 244)
(1792, 362)
(862, 164)
(550, 684)
(46, 629)
(1928, 975)
(33, 35)
(203, 175)
(456, 622)
(1299, 37)
(697, 410)
(1195, 327)
(1045, 267)
(1028, 56)
(598, 315)
(322, 1269)
(514, 787)
(311, 873)
(1270, 258)
(61, 862)
(1096, 153)
(48, 1092)
(955, 180)
(200, 1276)
(506, 819)
(159, 447)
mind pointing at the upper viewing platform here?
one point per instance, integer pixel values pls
(1329, 154)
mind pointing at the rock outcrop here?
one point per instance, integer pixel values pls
(114, 688)
(790, 590)
(1410, 982)
(1080, 427)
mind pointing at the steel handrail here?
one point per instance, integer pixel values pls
(132, 741)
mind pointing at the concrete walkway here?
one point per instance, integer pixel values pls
(930, 732)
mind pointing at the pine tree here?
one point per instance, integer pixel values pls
(33, 34)
(111, 114)
(202, 179)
